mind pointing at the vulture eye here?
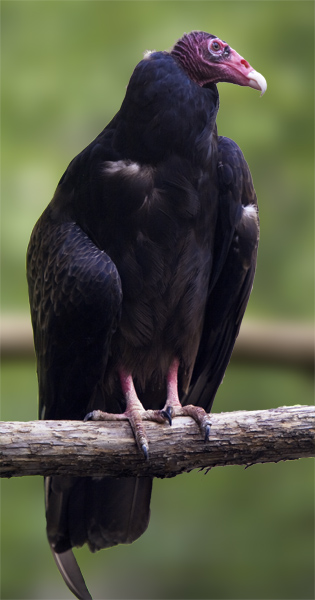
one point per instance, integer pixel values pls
(215, 47)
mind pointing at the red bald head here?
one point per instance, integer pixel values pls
(208, 59)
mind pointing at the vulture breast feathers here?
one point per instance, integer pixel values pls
(139, 273)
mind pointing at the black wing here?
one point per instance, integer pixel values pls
(75, 298)
(231, 281)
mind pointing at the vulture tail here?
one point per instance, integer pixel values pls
(99, 511)
(71, 573)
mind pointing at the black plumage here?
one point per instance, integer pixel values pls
(139, 273)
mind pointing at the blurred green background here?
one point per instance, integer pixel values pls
(233, 533)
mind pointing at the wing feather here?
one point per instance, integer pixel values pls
(75, 297)
(235, 254)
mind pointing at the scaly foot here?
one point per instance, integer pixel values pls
(134, 413)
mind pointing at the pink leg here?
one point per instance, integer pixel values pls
(174, 408)
(135, 412)
(172, 402)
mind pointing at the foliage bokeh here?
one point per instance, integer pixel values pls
(234, 533)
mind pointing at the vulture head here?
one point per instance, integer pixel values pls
(208, 59)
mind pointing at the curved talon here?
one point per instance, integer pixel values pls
(207, 432)
(167, 414)
(89, 416)
(145, 451)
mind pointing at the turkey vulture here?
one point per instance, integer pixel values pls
(139, 273)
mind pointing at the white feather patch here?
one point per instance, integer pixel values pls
(249, 212)
(129, 170)
(124, 167)
(147, 54)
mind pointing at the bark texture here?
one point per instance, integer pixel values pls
(77, 448)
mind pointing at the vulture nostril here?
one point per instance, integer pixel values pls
(245, 63)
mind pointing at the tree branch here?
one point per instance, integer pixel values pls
(108, 448)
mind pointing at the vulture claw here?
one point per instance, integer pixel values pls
(167, 414)
(145, 450)
(99, 415)
(89, 416)
(198, 414)
(207, 432)
(135, 418)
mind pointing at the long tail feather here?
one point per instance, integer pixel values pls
(71, 573)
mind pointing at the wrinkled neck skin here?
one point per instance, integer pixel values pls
(185, 54)
(165, 113)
